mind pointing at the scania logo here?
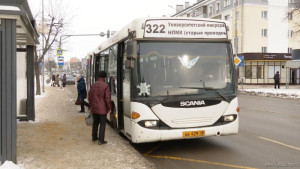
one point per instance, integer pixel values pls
(192, 103)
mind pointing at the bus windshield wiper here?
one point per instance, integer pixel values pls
(208, 88)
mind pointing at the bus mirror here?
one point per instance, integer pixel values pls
(130, 49)
(129, 64)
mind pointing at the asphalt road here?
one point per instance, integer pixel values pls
(269, 137)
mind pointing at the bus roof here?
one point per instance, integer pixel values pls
(170, 28)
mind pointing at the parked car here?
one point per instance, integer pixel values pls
(70, 79)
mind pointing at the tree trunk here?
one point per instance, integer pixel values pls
(37, 78)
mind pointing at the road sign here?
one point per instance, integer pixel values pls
(59, 52)
(239, 61)
(60, 61)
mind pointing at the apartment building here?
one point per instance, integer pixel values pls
(262, 32)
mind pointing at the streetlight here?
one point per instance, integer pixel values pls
(102, 34)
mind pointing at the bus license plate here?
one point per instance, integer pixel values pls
(194, 133)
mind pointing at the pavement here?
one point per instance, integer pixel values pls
(59, 138)
(290, 92)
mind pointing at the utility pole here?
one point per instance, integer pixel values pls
(43, 33)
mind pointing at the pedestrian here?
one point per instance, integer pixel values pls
(99, 99)
(277, 80)
(64, 80)
(53, 80)
(57, 80)
(81, 89)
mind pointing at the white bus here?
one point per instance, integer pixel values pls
(170, 78)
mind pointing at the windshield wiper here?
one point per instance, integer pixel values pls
(209, 88)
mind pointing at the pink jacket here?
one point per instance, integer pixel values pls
(99, 97)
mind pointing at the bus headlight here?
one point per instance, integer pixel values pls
(229, 118)
(150, 123)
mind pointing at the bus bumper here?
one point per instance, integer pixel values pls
(143, 134)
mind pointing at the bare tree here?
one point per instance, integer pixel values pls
(295, 12)
(55, 22)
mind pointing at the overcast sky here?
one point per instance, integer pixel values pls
(95, 16)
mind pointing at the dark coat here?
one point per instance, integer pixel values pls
(64, 80)
(277, 77)
(81, 89)
(99, 97)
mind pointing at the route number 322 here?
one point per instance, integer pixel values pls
(155, 28)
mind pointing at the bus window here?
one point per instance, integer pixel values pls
(112, 69)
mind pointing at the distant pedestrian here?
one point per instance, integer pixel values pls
(57, 80)
(81, 89)
(53, 80)
(99, 99)
(277, 80)
(64, 80)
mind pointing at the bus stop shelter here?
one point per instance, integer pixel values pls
(18, 38)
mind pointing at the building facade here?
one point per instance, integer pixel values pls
(261, 29)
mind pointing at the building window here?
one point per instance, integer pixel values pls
(290, 50)
(260, 72)
(290, 16)
(247, 71)
(254, 71)
(264, 49)
(264, 14)
(217, 7)
(264, 32)
(227, 17)
(290, 33)
(210, 10)
(226, 3)
(272, 70)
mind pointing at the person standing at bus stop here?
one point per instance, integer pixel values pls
(81, 89)
(277, 80)
(99, 99)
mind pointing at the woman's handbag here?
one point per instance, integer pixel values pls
(78, 101)
(89, 119)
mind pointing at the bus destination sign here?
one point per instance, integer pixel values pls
(185, 29)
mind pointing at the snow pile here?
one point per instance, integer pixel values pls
(9, 165)
(282, 93)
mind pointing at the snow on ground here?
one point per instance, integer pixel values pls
(291, 93)
(9, 165)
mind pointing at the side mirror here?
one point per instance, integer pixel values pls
(129, 64)
(130, 49)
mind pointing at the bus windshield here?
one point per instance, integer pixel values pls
(183, 68)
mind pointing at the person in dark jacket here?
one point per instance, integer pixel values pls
(99, 99)
(81, 89)
(53, 80)
(64, 80)
(277, 80)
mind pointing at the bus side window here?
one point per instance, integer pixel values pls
(112, 69)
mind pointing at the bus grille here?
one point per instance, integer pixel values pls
(197, 120)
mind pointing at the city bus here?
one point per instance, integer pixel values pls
(170, 78)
